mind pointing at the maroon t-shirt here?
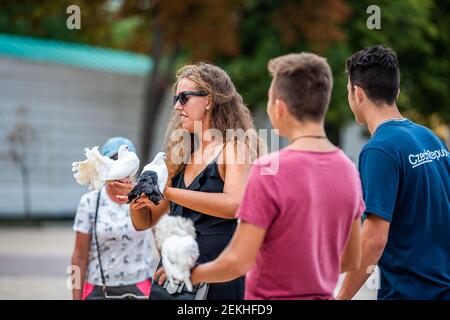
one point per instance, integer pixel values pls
(307, 202)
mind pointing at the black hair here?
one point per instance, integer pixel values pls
(376, 71)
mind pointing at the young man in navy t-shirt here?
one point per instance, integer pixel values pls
(405, 172)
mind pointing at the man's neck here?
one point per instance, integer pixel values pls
(380, 114)
(305, 136)
(305, 129)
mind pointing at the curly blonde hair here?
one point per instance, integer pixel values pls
(228, 112)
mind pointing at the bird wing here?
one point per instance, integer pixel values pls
(149, 167)
(123, 168)
(163, 175)
(161, 171)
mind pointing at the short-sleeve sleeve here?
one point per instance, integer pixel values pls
(258, 206)
(380, 174)
(83, 215)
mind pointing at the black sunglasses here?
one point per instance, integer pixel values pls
(183, 96)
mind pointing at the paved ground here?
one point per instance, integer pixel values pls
(33, 262)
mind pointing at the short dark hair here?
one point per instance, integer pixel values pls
(304, 81)
(376, 71)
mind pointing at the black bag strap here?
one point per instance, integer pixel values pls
(97, 245)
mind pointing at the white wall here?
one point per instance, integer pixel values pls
(70, 109)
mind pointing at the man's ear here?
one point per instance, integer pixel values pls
(280, 108)
(360, 95)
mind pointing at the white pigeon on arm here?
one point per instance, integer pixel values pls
(152, 180)
(93, 171)
(126, 165)
(97, 169)
(175, 237)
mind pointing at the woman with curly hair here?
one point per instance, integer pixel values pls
(210, 145)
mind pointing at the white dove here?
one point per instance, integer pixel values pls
(175, 237)
(95, 170)
(152, 180)
(126, 165)
(179, 255)
(169, 226)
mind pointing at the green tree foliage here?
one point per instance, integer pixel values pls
(242, 35)
(47, 19)
(417, 30)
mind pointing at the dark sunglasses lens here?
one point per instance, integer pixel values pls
(183, 98)
(180, 97)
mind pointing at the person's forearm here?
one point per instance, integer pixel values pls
(348, 267)
(219, 205)
(77, 288)
(354, 280)
(77, 294)
(219, 270)
(141, 218)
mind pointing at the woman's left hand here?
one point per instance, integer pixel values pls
(160, 276)
(120, 189)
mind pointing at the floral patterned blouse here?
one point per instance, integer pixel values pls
(128, 256)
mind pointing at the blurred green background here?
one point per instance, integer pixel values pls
(242, 35)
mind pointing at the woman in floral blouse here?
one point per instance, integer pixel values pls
(127, 257)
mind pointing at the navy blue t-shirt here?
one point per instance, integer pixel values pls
(405, 172)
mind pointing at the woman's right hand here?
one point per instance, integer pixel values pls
(142, 202)
(120, 188)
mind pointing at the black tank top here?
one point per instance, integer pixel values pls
(213, 234)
